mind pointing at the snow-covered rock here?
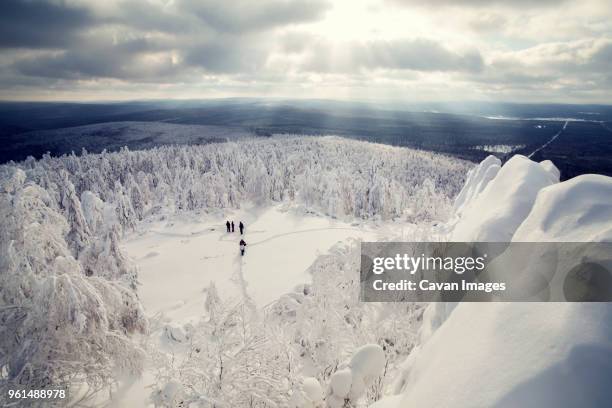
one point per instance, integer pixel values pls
(496, 213)
(433, 317)
(312, 391)
(351, 382)
(552, 169)
(576, 210)
(500, 354)
(518, 354)
(477, 179)
(340, 382)
(368, 362)
(308, 395)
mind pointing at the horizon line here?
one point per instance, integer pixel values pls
(298, 99)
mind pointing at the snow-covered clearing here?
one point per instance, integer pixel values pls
(177, 259)
(180, 256)
(500, 148)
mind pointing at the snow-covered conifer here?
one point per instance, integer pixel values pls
(58, 327)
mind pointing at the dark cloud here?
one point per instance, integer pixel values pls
(138, 59)
(142, 15)
(52, 24)
(134, 39)
(40, 24)
(209, 34)
(601, 59)
(239, 16)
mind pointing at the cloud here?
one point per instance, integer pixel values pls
(137, 59)
(582, 57)
(140, 40)
(40, 24)
(488, 22)
(246, 15)
(228, 55)
(197, 16)
(400, 54)
(601, 57)
(145, 16)
(48, 23)
(306, 46)
(481, 3)
(295, 42)
(553, 69)
(419, 55)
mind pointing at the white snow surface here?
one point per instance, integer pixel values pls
(577, 210)
(177, 259)
(513, 355)
(517, 354)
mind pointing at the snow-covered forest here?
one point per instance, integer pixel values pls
(72, 314)
(70, 311)
(337, 176)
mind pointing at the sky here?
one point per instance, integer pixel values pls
(389, 50)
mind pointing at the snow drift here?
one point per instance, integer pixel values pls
(494, 213)
(576, 210)
(519, 354)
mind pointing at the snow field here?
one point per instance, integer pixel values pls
(176, 262)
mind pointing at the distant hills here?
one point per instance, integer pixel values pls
(457, 129)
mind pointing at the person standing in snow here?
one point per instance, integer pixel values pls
(241, 226)
(232, 226)
(242, 247)
(227, 224)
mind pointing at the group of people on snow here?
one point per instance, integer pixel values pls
(230, 228)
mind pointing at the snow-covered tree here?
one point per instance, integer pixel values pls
(57, 326)
(231, 360)
(78, 234)
(338, 177)
(349, 384)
